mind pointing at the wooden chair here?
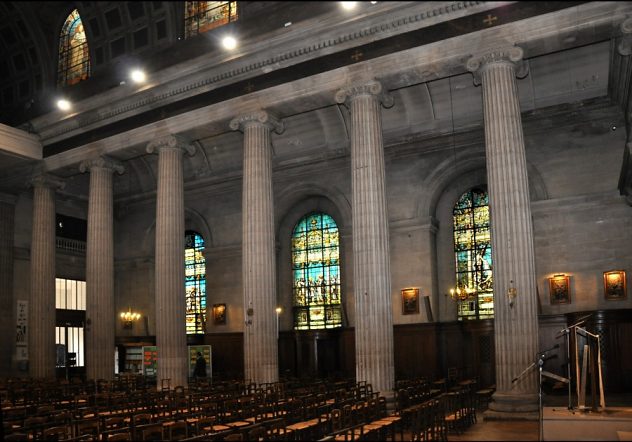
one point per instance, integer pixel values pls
(56, 433)
(177, 431)
(119, 436)
(16, 437)
(87, 427)
(152, 432)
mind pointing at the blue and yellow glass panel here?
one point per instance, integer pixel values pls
(74, 57)
(473, 254)
(200, 17)
(195, 283)
(316, 273)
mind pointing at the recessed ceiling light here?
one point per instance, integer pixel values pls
(63, 104)
(229, 42)
(348, 5)
(138, 76)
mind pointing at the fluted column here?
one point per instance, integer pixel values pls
(100, 314)
(371, 258)
(258, 256)
(41, 308)
(169, 277)
(515, 319)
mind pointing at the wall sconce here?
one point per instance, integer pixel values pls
(511, 293)
(129, 317)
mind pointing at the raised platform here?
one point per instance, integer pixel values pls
(560, 423)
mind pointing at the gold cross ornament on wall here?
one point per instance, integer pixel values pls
(490, 19)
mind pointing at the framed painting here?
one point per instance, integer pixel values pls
(219, 314)
(614, 287)
(559, 289)
(410, 301)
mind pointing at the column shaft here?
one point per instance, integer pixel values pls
(169, 277)
(371, 256)
(515, 322)
(41, 333)
(100, 312)
(258, 255)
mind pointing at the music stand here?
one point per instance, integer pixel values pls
(566, 332)
(581, 389)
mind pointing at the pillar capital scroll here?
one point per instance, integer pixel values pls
(510, 55)
(625, 45)
(47, 180)
(101, 162)
(372, 87)
(170, 142)
(261, 117)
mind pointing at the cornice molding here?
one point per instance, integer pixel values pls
(98, 115)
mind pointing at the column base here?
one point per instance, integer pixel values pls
(519, 405)
(391, 400)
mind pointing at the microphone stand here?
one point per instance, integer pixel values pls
(540, 362)
(566, 332)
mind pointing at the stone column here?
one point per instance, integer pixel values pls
(171, 337)
(515, 319)
(41, 308)
(371, 258)
(258, 255)
(100, 313)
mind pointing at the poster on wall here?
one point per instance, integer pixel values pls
(150, 360)
(21, 336)
(205, 351)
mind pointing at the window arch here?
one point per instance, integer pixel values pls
(195, 282)
(200, 17)
(473, 255)
(74, 57)
(316, 273)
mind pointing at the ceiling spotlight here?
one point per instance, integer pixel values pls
(348, 5)
(229, 42)
(63, 104)
(138, 76)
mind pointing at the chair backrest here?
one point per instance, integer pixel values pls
(152, 432)
(141, 418)
(56, 433)
(119, 436)
(178, 430)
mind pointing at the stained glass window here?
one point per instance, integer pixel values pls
(473, 254)
(74, 57)
(195, 282)
(316, 273)
(203, 16)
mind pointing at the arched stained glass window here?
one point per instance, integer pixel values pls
(316, 273)
(473, 253)
(195, 282)
(200, 17)
(74, 57)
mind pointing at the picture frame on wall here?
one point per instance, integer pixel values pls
(559, 289)
(410, 301)
(614, 285)
(219, 314)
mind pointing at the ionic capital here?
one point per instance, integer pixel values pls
(625, 45)
(373, 87)
(258, 117)
(43, 179)
(170, 142)
(510, 55)
(101, 162)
